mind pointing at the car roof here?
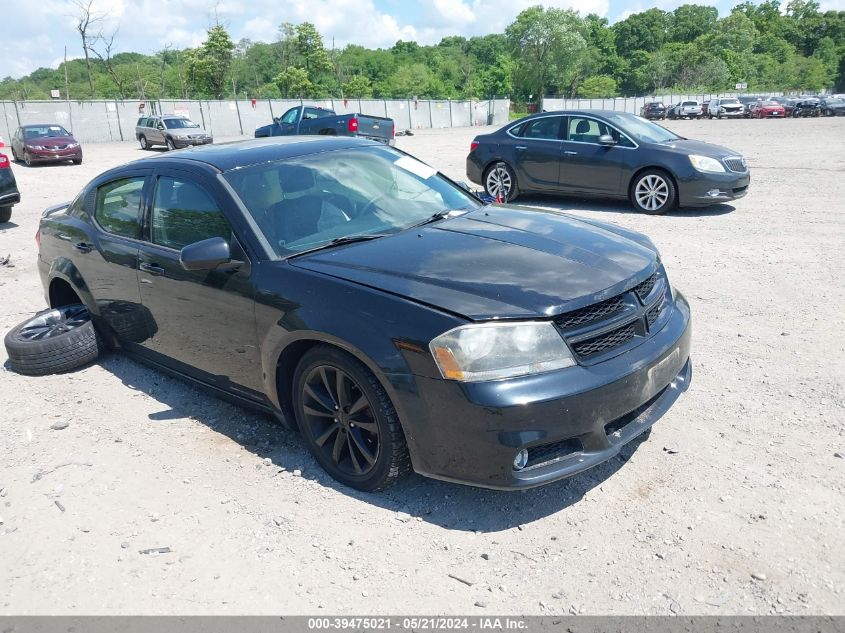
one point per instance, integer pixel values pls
(28, 125)
(234, 154)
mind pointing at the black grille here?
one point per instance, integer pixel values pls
(599, 344)
(540, 455)
(736, 164)
(591, 313)
(644, 288)
(654, 312)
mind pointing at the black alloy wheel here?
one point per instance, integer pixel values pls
(348, 421)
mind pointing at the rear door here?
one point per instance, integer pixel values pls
(537, 152)
(588, 167)
(205, 325)
(103, 245)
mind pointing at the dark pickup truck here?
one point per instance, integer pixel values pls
(320, 121)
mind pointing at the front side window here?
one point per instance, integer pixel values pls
(307, 202)
(184, 213)
(585, 130)
(118, 208)
(290, 116)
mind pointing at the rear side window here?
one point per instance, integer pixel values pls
(184, 213)
(547, 128)
(314, 113)
(119, 205)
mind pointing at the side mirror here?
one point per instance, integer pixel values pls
(276, 120)
(206, 254)
(607, 140)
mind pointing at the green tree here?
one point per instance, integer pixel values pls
(546, 45)
(294, 82)
(646, 31)
(209, 65)
(358, 87)
(690, 21)
(597, 86)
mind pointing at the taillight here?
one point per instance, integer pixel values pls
(38, 238)
(352, 125)
(393, 131)
(473, 146)
(4, 162)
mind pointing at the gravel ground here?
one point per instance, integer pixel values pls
(734, 505)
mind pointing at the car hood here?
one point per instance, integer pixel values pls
(688, 146)
(497, 262)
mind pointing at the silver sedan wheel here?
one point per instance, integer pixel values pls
(499, 182)
(652, 192)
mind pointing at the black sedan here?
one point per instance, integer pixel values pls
(605, 154)
(392, 317)
(9, 194)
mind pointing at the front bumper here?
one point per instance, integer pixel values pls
(702, 189)
(181, 143)
(49, 156)
(471, 432)
(730, 114)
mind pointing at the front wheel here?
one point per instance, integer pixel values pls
(27, 158)
(348, 421)
(653, 192)
(170, 144)
(5, 214)
(500, 183)
(77, 161)
(143, 141)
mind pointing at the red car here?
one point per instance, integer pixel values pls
(42, 143)
(767, 109)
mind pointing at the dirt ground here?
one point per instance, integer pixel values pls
(734, 505)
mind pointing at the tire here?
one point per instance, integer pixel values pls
(330, 382)
(53, 341)
(27, 158)
(15, 155)
(143, 141)
(76, 161)
(171, 146)
(131, 322)
(499, 178)
(653, 192)
(5, 214)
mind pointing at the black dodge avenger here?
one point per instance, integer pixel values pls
(393, 318)
(601, 153)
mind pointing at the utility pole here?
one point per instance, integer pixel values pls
(67, 91)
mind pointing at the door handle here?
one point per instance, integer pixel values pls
(520, 147)
(153, 269)
(83, 247)
(64, 236)
(570, 153)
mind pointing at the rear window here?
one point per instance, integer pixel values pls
(690, 103)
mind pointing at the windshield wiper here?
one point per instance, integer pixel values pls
(434, 217)
(338, 241)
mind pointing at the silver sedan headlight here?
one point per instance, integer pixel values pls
(487, 351)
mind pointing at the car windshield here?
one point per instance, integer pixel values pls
(769, 103)
(835, 101)
(728, 102)
(641, 129)
(313, 201)
(45, 131)
(175, 124)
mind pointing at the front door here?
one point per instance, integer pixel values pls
(205, 322)
(588, 167)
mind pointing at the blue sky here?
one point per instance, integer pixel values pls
(35, 32)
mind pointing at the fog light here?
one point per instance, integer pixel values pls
(714, 193)
(521, 460)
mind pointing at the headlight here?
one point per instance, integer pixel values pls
(36, 147)
(487, 351)
(72, 145)
(705, 163)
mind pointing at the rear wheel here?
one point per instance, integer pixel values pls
(5, 214)
(53, 341)
(653, 192)
(500, 182)
(348, 420)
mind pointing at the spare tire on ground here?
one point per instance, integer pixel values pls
(53, 341)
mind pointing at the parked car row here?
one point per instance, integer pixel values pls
(748, 107)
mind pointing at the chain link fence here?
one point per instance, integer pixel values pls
(633, 104)
(111, 120)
